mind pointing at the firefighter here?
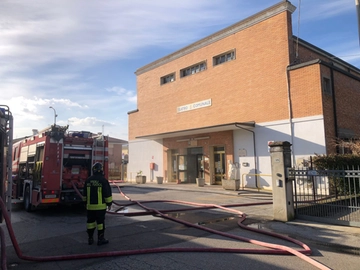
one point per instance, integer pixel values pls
(98, 198)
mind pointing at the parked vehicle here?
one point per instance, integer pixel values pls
(52, 166)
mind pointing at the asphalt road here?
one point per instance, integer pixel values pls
(61, 232)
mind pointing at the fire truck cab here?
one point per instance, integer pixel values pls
(52, 166)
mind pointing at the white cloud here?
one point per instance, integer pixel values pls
(128, 95)
(132, 99)
(89, 122)
(36, 109)
(317, 10)
(65, 102)
(36, 33)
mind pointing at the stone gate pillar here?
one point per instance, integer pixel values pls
(283, 201)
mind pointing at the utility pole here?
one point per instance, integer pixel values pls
(358, 16)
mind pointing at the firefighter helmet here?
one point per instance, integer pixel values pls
(97, 168)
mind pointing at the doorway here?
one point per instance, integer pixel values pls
(182, 162)
(195, 157)
(219, 163)
(187, 167)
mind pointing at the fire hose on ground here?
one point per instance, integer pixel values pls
(271, 248)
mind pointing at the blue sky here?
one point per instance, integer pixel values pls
(79, 56)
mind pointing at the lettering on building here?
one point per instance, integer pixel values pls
(194, 106)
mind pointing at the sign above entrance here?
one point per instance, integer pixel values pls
(194, 106)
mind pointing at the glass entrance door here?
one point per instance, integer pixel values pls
(219, 163)
(182, 167)
(186, 167)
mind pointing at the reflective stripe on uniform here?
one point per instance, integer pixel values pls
(96, 206)
(99, 195)
(91, 225)
(88, 197)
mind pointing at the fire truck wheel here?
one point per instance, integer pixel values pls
(27, 204)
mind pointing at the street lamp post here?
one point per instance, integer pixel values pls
(55, 115)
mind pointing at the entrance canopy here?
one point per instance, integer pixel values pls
(201, 130)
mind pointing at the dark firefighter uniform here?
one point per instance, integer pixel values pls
(98, 196)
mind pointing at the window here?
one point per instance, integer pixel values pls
(15, 153)
(222, 58)
(193, 69)
(345, 147)
(326, 85)
(167, 78)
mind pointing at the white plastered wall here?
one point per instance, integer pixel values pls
(307, 139)
(141, 154)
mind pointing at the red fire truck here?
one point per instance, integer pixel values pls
(52, 166)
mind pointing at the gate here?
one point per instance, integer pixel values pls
(327, 196)
(115, 174)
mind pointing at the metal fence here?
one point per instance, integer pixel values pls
(115, 174)
(327, 196)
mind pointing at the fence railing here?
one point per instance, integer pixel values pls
(331, 196)
(115, 174)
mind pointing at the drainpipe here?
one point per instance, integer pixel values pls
(290, 112)
(334, 106)
(255, 157)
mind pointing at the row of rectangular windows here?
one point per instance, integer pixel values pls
(217, 60)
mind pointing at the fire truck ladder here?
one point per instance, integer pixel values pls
(6, 137)
(98, 150)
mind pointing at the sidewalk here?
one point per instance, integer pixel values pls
(342, 239)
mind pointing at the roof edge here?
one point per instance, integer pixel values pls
(328, 55)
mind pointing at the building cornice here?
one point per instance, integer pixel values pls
(198, 130)
(332, 58)
(235, 28)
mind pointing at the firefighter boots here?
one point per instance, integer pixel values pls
(102, 241)
(90, 233)
(90, 240)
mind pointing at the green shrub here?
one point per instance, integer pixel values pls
(339, 185)
(336, 162)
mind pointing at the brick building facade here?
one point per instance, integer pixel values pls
(210, 109)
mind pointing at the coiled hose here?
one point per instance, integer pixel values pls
(274, 249)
